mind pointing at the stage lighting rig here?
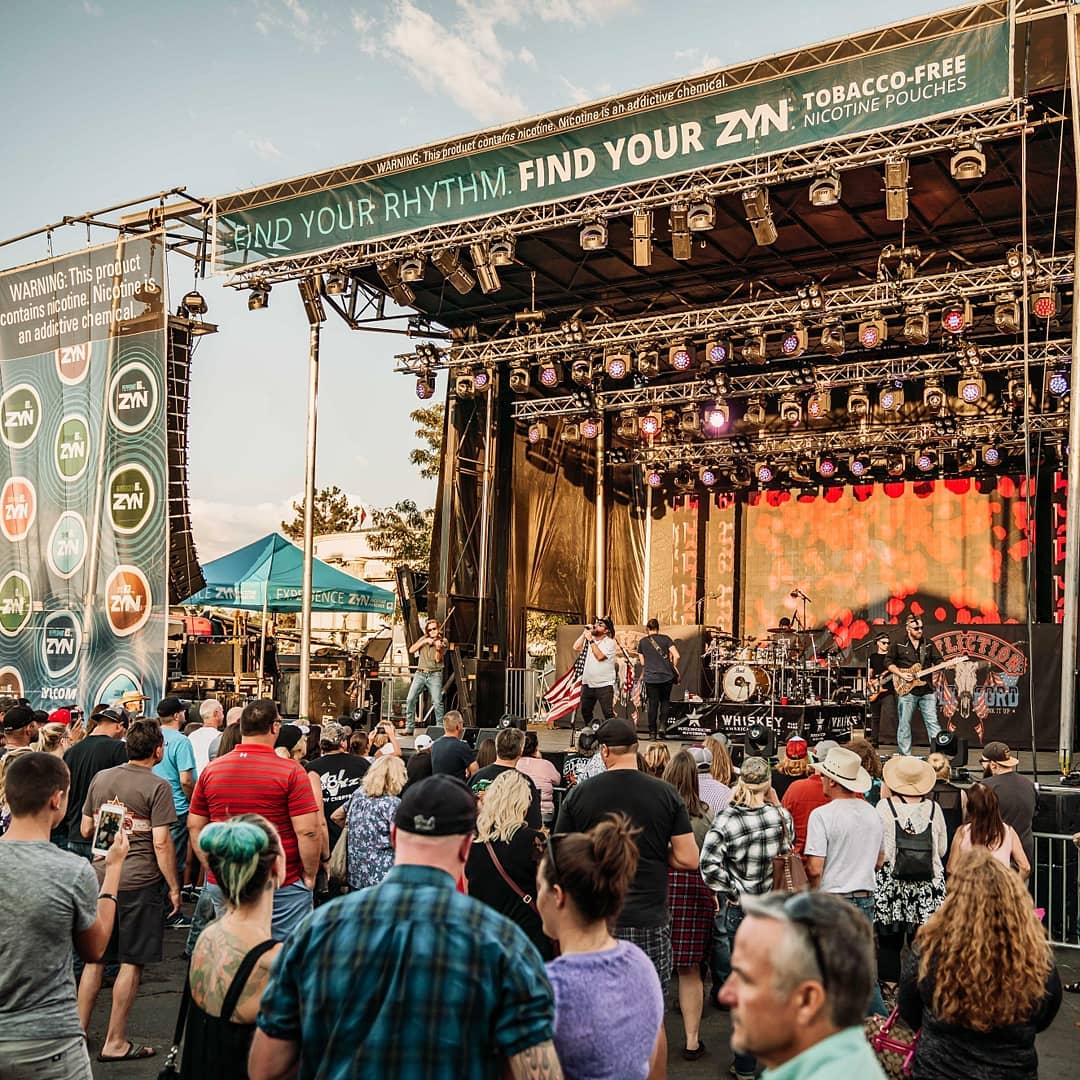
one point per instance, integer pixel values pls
(593, 236)
(858, 404)
(934, 397)
(896, 188)
(971, 389)
(464, 385)
(1044, 303)
(717, 382)
(679, 220)
(627, 426)
(810, 297)
(709, 475)
(754, 350)
(336, 282)
(873, 332)
(654, 476)
(425, 385)
(591, 427)
(825, 190)
(891, 396)
(1020, 262)
(617, 363)
(685, 481)
(926, 460)
(502, 251)
(550, 374)
(916, 328)
(827, 466)
(681, 356)
(689, 420)
(956, 316)
(519, 379)
(968, 163)
(390, 272)
(648, 362)
(717, 417)
(765, 471)
(485, 268)
(448, 263)
(819, 405)
(717, 351)
(756, 205)
(538, 432)
(795, 341)
(790, 409)
(1007, 313)
(991, 456)
(193, 303)
(755, 411)
(701, 216)
(483, 378)
(1057, 383)
(259, 297)
(945, 424)
(650, 424)
(412, 269)
(570, 432)
(859, 465)
(895, 464)
(969, 356)
(833, 339)
(581, 373)
(641, 232)
(573, 331)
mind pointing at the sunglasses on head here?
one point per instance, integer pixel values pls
(550, 848)
(799, 908)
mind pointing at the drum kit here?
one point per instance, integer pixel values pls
(782, 669)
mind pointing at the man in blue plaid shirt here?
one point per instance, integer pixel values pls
(410, 979)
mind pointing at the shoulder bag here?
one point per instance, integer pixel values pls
(788, 872)
(914, 858)
(528, 900)
(338, 868)
(893, 1043)
(169, 1070)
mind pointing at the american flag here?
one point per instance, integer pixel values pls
(565, 696)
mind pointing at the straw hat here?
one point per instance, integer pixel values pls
(909, 775)
(845, 768)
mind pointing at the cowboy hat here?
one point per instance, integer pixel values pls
(845, 768)
(909, 775)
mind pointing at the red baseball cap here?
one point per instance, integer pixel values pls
(796, 748)
(60, 716)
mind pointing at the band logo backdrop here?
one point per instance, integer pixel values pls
(83, 514)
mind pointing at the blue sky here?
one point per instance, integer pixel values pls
(114, 99)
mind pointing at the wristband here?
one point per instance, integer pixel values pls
(109, 896)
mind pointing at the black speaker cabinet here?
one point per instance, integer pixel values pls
(489, 692)
(327, 697)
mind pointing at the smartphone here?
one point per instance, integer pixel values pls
(110, 822)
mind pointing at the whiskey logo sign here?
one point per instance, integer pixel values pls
(20, 416)
(72, 363)
(72, 448)
(18, 507)
(127, 600)
(61, 641)
(133, 397)
(15, 603)
(131, 498)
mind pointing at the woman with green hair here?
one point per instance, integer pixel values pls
(231, 963)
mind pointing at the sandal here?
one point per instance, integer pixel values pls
(133, 1053)
(1072, 988)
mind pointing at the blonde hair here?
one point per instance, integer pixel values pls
(973, 986)
(657, 755)
(720, 768)
(386, 777)
(742, 794)
(941, 766)
(50, 738)
(794, 766)
(505, 804)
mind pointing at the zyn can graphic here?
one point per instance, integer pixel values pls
(127, 600)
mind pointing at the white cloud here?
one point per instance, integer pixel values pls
(96, 10)
(526, 56)
(579, 12)
(263, 147)
(309, 29)
(698, 60)
(221, 527)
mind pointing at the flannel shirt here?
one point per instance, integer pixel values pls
(739, 847)
(409, 979)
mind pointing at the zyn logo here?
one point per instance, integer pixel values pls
(20, 416)
(11, 684)
(131, 498)
(72, 448)
(15, 603)
(67, 545)
(127, 600)
(133, 397)
(72, 363)
(61, 641)
(18, 507)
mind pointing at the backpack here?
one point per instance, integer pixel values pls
(914, 859)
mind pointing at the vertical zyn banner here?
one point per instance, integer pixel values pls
(83, 514)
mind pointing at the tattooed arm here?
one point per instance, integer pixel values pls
(537, 1063)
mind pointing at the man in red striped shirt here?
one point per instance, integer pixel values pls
(252, 779)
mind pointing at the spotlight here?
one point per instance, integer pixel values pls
(679, 221)
(502, 251)
(193, 304)
(1058, 383)
(1015, 393)
(335, 283)
(627, 427)
(832, 339)
(708, 476)
(519, 379)
(538, 431)
(581, 373)
(754, 348)
(593, 236)
(482, 379)
(891, 397)
(717, 351)
(756, 205)
(968, 163)
(765, 472)
(970, 389)
(934, 397)
(685, 481)
(895, 464)
(896, 188)
(1044, 304)
(858, 404)
(795, 341)
(790, 409)
(650, 424)
(810, 296)
(448, 263)
(702, 215)
(717, 417)
(689, 420)
(648, 362)
(968, 355)
(819, 405)
(259, 297)
(872, 332)
(390, 272)
(916, 328)
(641, 229)
(571, 432)
(680, 356)
(827, 466)
(945, 424)
(485, 269)
(573, 330)
(825, 191)
(616, 364)
(926, 460)
(991, 456)
(755, 411)
(425, 386)
(967, 459)
(311, 297)
(956, 317)
(551, 373)
(654, 477)
(464, 386)
(717, 382)
(590, 427)
(859, 465)
(412, 269)
(1020, 262)
(1007, 314)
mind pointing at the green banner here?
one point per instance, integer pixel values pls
(490, 173)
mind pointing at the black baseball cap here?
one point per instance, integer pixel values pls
(882, 637)
(17, 718)
(441, 805)
(171, 706)
(112, 716)
(617, 732)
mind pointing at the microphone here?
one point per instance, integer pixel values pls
(798, 594)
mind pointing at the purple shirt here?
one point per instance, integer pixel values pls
(608, 1010)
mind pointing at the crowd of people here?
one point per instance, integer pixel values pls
(344, 895)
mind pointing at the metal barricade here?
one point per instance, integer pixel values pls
(523, 690)
(1057, 887)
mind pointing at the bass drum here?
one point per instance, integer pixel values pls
(744, 682)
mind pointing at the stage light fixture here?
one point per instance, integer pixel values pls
(1058, 383)
(833, 339)
(412, 269)
(891, 397)
(967, 459)
(926, 460)
(754, 349)
(701, 216)
(1020, 262)
(896, 188)
(335, 283)
(968, 354)
(641, 230)
(550, 374)
(448, 263)
(717, 350)
(482, 379)
(653, 476)
(916, 328)
(194, 303)
(685, 481)
(581, 373)
(689, 420)
(570, 432)
(648, 362)
(859, 465)
(970, 389)
(709, 476)
(801, 473)
(464, 386)
(945, 424)
(765, 472)
(934, 397)
(591, 427)
(717, 382)
(755, 411)
(538, 431)
(519, 379)
(1007, 314)
(717, 417)
(617, 363)
(819, 405)
(1015, 393)
(991, 456)
(795, 341)
(956, 316)
(1044, 304)
(311, 297)
(756, 205)
(895, 464)
(593, 236)
(679, 220)
(968, 163)
(825, 191)
(811, 297)
(650, 424)
(425, 386)
(390, 272)
(872, 332)
(827, 466)
(790, 409)
(259, 297)
(858, 403)
(681, 356)
(502, 251)
(627, 426)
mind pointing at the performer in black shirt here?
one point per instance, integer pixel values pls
(906, 654)
(884, 704)
(660, 660)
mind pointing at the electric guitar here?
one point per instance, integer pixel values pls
(909, 678)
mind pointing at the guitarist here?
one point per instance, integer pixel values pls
(883, 695)
(660, 660)
(904, 655)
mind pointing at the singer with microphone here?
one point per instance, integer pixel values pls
(598, 678)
